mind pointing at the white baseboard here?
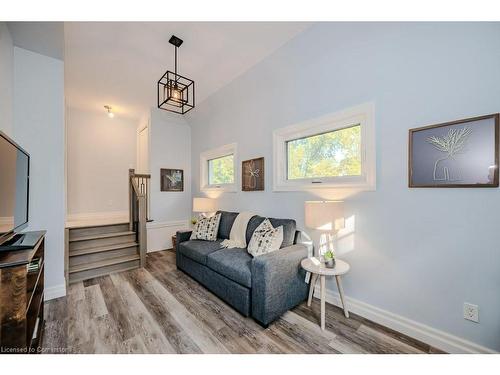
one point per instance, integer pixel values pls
(160, 233)
(434, 337)
(55, 291)
(91, 216)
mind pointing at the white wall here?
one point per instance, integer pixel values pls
(100, 151)
(39, 128)
(418, 253)
(169, 147)
(6, 80)
(143, 148)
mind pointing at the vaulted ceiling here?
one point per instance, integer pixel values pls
(119, 63)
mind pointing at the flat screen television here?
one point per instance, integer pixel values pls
(14, 188)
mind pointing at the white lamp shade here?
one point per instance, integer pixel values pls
(324, 215)
(204, 205)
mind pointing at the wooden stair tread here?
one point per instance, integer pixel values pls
(76, 279)
(99, 249)
(82, 224)
(99, 236)
(103, 263)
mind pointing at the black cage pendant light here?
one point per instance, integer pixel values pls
(175, 92)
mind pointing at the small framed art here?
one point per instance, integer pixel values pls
(252, 175)
(171, 179)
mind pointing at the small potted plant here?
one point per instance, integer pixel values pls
(329, 259)
(194, 221)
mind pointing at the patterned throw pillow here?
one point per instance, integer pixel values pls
(206, 228)
(265, 239)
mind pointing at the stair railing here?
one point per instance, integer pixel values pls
(139, 209)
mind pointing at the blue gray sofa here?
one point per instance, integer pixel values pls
(263, 287)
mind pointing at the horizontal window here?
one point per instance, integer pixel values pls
(221, 170)
(218, 169)
(332, 154)
(337, 150)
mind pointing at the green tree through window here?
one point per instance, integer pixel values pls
(332, 154)
(221, 170)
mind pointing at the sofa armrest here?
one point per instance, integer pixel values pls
(278, 282)
(303, 238)
(183, 235)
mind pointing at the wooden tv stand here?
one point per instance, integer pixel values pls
(21, 298)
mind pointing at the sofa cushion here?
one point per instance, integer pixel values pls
(226, 223)
(198, 250)
(233, 263)
(289, 227)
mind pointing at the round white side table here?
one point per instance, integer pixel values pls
(318, 270)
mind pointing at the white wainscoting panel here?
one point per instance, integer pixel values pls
(160, 233)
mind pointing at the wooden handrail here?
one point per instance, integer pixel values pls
(141, 175)
(138, 200)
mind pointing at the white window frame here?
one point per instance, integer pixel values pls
(363, 114)
(215, 153)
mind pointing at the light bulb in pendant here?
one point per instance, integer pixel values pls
(176, 94)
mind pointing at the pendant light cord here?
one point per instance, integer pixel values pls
(175, 64)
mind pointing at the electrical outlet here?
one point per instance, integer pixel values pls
(471, 312)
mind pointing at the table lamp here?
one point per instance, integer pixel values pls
(204, 205)
(327, 217)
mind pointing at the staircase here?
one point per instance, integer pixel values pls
(100, 250)
(97, 249)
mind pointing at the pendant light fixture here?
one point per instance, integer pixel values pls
(175, 92)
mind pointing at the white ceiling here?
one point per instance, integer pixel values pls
(119, 63)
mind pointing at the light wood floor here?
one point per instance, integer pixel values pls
(159, 309)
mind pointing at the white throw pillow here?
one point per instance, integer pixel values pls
(265, 239)
(206, 228)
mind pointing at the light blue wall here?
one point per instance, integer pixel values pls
(6, 80)
(169, 147)
(419, 253)
(39, 129)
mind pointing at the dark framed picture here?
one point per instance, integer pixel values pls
(171, 179)
(461, 153)
(252, 175)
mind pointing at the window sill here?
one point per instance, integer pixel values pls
(309, 185)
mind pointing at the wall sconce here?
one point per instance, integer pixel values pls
(110, 114)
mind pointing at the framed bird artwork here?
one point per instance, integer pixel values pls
(171, 179)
